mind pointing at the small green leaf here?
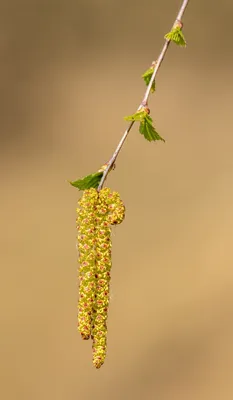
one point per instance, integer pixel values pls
(138, 116)
(89, 181)
(146, 128)
(146, 124)
(147, 77)
(176, 35)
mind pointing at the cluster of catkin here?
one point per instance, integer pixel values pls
(96, 212)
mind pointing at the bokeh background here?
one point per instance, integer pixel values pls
(70, 71)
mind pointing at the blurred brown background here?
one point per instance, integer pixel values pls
(70, 70)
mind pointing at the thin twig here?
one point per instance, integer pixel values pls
(112, 160)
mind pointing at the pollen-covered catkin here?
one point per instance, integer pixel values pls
(110, 210)
(96, 213)
(86, 216)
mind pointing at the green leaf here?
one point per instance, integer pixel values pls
(89, 181)
(176, 35)
(146, 124)
(148, 131)
(138, 116)
(147, 77)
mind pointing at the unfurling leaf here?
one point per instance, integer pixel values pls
(89, 181)
(138, 116)
(146, 124)
(176, 36)
(146, 128)
(147, 77)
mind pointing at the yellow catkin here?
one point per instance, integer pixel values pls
(110, 210)
(96, 212)
(86, 216)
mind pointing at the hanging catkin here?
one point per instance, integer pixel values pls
(98, 211)
(110, 210)
(86, 215)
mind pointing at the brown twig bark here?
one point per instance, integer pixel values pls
(144, 102)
